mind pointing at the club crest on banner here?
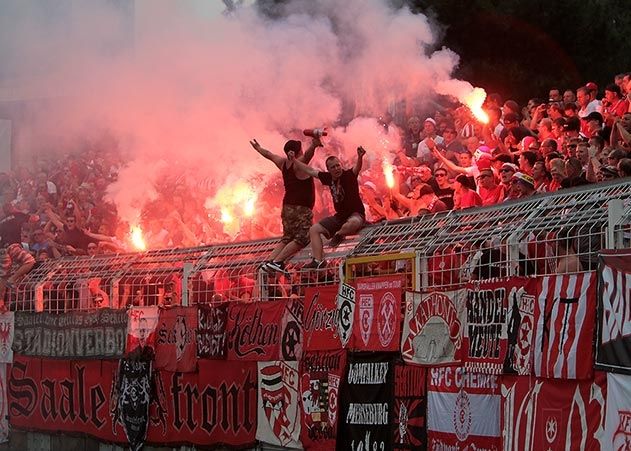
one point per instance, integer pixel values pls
(520, 332)
(346, 307)
(278, 414)
(386, 318)
(366, 307)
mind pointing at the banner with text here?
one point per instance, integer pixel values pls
(378, 310)
(98, 334)
(613, 349)
(463, 409)
(410, 405)
(216, 405)
(551, 414)
(321, 319)
(212, 339)
(176, 334)
(320, 375)
(433, 327)
(366, 402)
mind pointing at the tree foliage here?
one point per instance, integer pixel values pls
(521, 48)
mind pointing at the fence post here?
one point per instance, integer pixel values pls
(186, 273)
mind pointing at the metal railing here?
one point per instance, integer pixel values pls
(544, 234)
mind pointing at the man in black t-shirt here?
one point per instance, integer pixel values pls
(298, 201)
(349, 209)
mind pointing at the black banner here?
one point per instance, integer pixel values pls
(410, 402)
(366, 401)
(131, 398)
(211, 331)
(98, 334)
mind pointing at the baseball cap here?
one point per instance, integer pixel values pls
(429, 119)
(510, 117)
(524, 178)
(594, 116)
(511, 166)
(370, 185)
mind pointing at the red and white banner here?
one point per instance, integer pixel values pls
(377, 325)
(613, 350)
(278, 399)
(176, 348)
(463, 409)
(7, 329)
(551, 414)
(215, 406)
(321, 318)
(141, 327)
(618, 417)
(320, 375)
(346, 312)
(433, 327)
(566, 314)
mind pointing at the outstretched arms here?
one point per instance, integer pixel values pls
(276, 159)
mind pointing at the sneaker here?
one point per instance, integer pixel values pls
(315, 264)
(275, 266)
(336, 240)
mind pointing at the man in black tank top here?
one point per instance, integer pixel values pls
(349, 209)
(298, 201)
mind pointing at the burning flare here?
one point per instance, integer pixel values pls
(388, 172)
(235, 201)
(474, 101)
(137, 239)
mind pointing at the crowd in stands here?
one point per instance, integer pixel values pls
(451, 160)
(447, 160)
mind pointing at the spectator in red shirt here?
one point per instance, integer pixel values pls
(464, 195)
(614, 104)
(490, 192)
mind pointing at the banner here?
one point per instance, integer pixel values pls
(613, 350)
(264, 331)
(618, 417)
(565, 315)
(463, 409)
(520, 328)
(346, 307)
(97, 334)
(176, 349)
(4, 409)
(320, 376)
(278, 411)
(433, 327)
(321, 319)
(6, 337)
(63, 396)
(366, 402)
(291, 332)
(378, 325)
(553, 415)
(130, 400)
(216, 406)
(410, 405)
(211, 331)
(141, 328)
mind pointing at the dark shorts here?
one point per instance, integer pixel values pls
(297, 221)
(334, 223)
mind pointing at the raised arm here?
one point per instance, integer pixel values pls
(276, 159)
(304, 167)
(55, 219)
(444, 160)
(308, 154)
(360, 160)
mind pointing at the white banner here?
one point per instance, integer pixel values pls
(6, 337)
(618, 417)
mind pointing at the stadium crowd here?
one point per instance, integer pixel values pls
(447, 160)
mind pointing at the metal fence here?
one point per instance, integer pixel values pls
(557, 232)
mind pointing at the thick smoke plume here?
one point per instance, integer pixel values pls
(184, 85)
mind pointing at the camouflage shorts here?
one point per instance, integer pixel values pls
(297, 221)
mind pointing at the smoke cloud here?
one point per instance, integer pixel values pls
(185, 85)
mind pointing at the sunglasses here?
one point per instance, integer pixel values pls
(506, 170)
(440, 175)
